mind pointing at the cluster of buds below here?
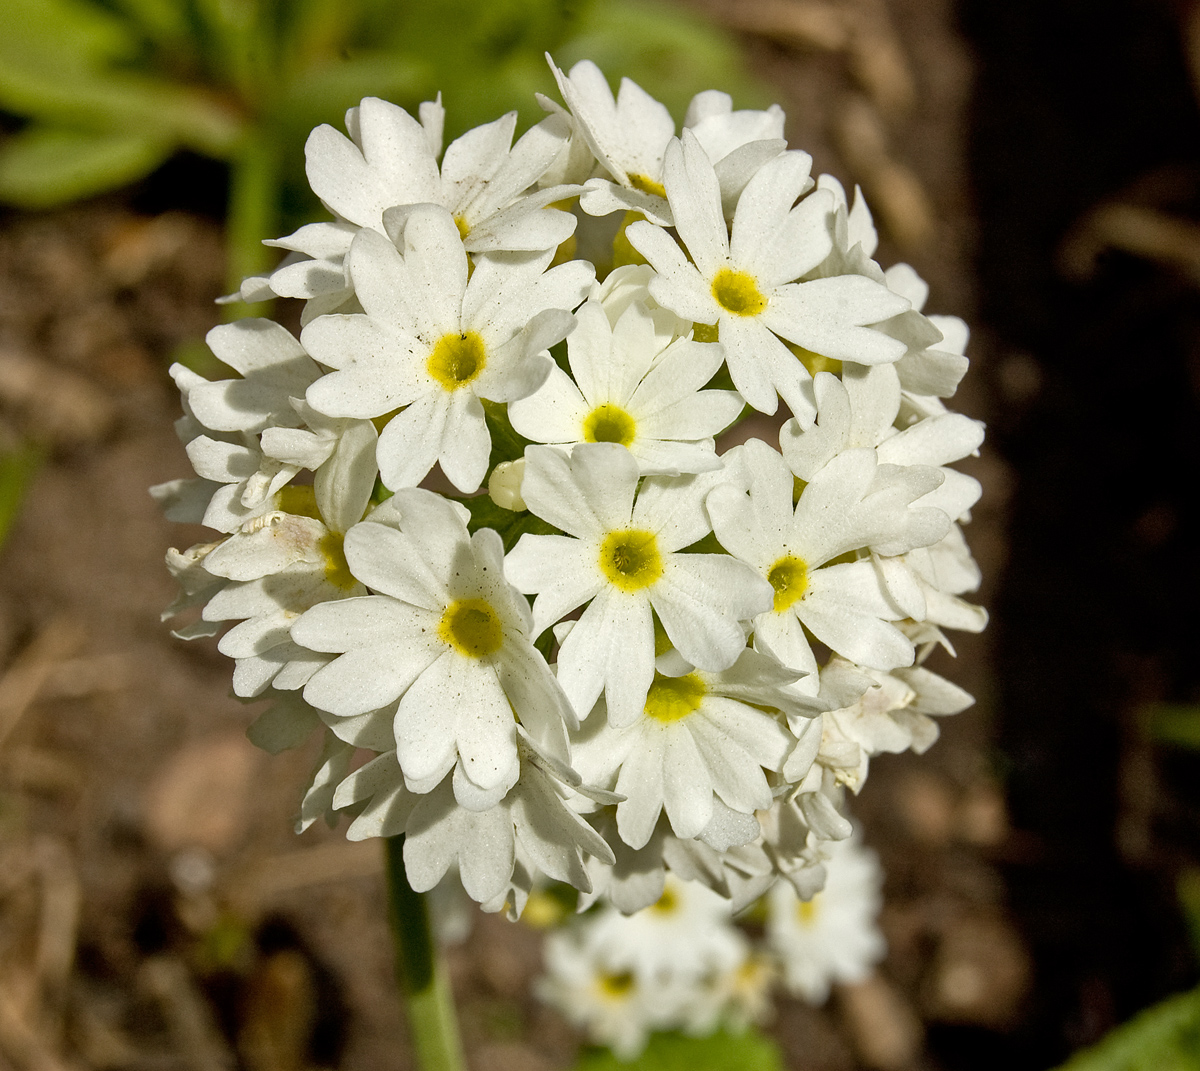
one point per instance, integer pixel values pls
(632, 654)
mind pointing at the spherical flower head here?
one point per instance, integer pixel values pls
(445, 639)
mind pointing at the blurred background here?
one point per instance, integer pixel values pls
(1037, 162)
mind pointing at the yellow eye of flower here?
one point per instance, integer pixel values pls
(673, 698)
(630, 559)
(737, 291)
(609, 424)
(615, 986)
(472, 628)
(789, 578)
(457, 359)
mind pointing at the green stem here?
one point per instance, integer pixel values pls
(420, 972)
(252, 215)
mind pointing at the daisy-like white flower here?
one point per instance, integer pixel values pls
(744, 279)
(445, 638)
(700, 734)
(834, 936)
(621, 555)
(436, 344)
(624, 389)
(629, 134)
(850, 504)
(484, 841)
(614, 1007)
(686, 933)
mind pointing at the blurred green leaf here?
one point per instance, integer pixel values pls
(17, 470)
(41, 167)
(722, 1051)
(64, 34)
(324, 95)
(1165, 1037)
(121, 103)
(1174, 723)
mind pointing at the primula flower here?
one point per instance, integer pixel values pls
(698, 736)
(621, 555)
(435, 339)
(444, 637)
(832, 937)
(850, 504)
(744, 279)
(623, 389)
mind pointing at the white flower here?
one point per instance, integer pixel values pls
(687, 933)
(629, 136)
(625, 389)
(615, 1007)
(832, 937)
(482, 842)
(700, 734)
(435, 343)
(621, 554)
(274, 370)
(446, 638)
(850, 504)
(744, 279)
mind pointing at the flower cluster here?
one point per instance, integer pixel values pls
(683, 964)
(633, 654)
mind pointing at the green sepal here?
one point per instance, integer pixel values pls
(42, 166)
(507, 445)
(511, 526)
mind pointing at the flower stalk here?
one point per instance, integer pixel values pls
(420, 971)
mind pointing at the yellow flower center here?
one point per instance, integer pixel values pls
(472, 628)
(337, 570)
(629, 559)
(789, 578)
(457, 359)
(667, 904)
(647, 185)
(615, 986)
(806, 911)
(464, 228)
(609, 424)
(674, 698)
(706, 333)
(737, 291)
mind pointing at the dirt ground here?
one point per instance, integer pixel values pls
(156, 911)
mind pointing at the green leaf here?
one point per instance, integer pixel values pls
(121, 103)
(323, 95)
(749, 1051)
(64, 34)
(41, 166)
(1177, 724)
(1165, 1037)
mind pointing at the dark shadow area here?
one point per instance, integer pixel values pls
(1078, 106)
